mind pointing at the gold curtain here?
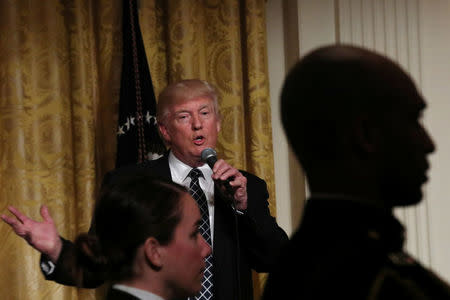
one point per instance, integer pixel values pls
(60, 67)
(58, 62)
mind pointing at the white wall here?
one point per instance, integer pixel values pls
(282, 53)
(435, 64)
(416, 34)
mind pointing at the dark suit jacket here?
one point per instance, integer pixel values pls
(260, 238)
(346, 250)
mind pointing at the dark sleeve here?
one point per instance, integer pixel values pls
(260, 236)
(64, 269)
(64, 272)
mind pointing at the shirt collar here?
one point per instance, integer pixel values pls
(141, 294)
(180, 170)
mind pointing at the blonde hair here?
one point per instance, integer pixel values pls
(184, 90)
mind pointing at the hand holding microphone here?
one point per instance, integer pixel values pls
(209, 156)
(229, 178)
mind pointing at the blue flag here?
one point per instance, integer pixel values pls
(137, 134)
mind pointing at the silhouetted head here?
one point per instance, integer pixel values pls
(347, 106)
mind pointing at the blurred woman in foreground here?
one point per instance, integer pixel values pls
(147, 242)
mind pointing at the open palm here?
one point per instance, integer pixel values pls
(43, 236)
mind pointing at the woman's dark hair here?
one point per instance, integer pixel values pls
(128, 211)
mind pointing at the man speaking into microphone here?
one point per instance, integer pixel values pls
(233, 203)
(189, 122)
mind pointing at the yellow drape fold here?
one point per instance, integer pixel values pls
(60, 65)
(55, 65)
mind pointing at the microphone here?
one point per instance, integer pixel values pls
(209, 156)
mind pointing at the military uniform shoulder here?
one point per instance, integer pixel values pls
(401, 259)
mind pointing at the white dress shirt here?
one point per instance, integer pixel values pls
(180, 171)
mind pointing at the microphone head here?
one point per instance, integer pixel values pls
(207, 154)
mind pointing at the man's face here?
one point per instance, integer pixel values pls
(184, 257)
(189, 127)
(407, 145)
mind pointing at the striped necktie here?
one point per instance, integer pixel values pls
(197, 193)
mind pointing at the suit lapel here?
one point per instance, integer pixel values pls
(161, 166)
